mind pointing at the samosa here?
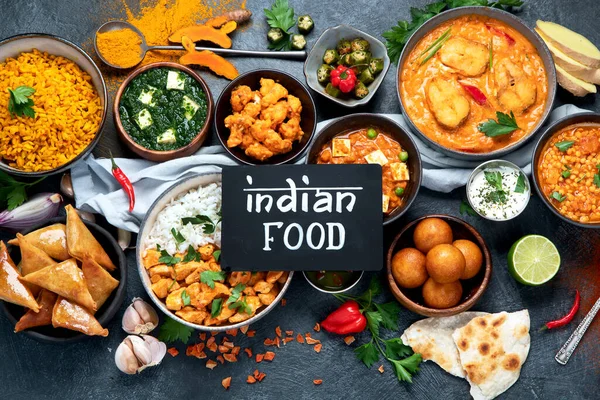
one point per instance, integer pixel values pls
(69, 315)
(100, 283)
(51, 239)
(30, 319)
(80, 241)
(32, 259)
(12, 290)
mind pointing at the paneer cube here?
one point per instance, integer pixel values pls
(190, 107)
(386, 203)
(400, 171)
(144, 119)
(340, 147)
(167, 137)
(376, 157)
(175, 81)
(146, 95)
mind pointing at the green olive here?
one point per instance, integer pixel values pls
(371, 133)
(403, 156)
(399, 191)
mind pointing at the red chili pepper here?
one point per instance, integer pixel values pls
(346, 319)
(124, 181)
(498, 32)
(475, 93)
(344, 78)
(567, 318)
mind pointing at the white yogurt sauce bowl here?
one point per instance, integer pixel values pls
(491, 190)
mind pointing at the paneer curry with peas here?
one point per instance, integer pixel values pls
(466, 71)
(372, 146)
(199, 292)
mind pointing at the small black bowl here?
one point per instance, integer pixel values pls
(49, 334)
(586, 118)
(355, 122)
(308, 121)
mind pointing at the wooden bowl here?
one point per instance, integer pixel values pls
(157, 155)
(355, 122)
(308, 117)
(104, 315)
(472, 288)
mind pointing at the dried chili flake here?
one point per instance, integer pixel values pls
(244, 329)
(283, 302)
(310, 340)
(221, 359)
(251, 333)
(255, 373)
(236, 350)
(232, 332)
(226, 382)
(202, 336)
(380, 369)
(195, 350)
(224, 349)
(230, 357)
(317, 381)
(261, 376)
(228, 344)
(277, 342)
(289, 333)
(259, 357)
(214, 333)
(287, 340)
(317, 327)
(349, 340)
(318, 347)
(269, 356)
(173, 351)
(210, 341)
(250, 379)
(211, 364)
(249, 352)
(300, 338)
(269, 342)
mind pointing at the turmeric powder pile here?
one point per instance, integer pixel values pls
(120, 47)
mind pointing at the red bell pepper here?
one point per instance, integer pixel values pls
(503, 34)
(343, 78)
(346, 319)
(475, 93)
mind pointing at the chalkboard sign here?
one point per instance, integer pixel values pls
(302, 218)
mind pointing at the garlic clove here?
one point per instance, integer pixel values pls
(157, 348)
(66, 186)
(123, 238)
(139, 318)
(141, 349)
(125, 360)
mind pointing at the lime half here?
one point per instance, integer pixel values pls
(533, 260)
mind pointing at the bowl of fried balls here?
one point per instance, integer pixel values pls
(438, 265)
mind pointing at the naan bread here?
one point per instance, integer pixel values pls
(81, 242)
(432, 338)
(51, 239)
(30, 319)
(69, 315)
(492, 350)
(99, 281)
(64, 279)
(12, 289)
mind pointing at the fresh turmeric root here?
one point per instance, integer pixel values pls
(202, 32)
(206, 58)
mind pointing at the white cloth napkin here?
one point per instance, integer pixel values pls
(96, 190)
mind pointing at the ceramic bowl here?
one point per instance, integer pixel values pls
(15, 45)
(159, 204)
(157, 155)
(329, 40)
(515, 23)
(473, 288)
(580, 118)
(104, 315)
(308, 118)
(361, 121)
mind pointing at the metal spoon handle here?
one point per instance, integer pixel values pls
(563, 355)
(289, 55)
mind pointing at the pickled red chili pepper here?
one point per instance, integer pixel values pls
(475, 93)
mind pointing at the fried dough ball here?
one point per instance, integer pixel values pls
(408, 268)
(516, 90)
(473, 257)
(441, 295)
(431, 232)
(445, 263)
(469, 58)
(448, 104)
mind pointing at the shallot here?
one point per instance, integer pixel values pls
(38, 209)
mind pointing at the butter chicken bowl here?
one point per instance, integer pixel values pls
(464, 67)
(373, 139)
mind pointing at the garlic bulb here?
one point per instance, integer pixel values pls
(139, 317)
(135, 353)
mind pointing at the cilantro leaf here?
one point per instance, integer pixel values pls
(172, 331)
(396, 349)
(191, 255)
(215, 308)
(217, 254)
(597, 180)
(373, 290)
(16, 197)
(389, 314)
(236, 293)
(406, 367)
(177, 235)
(209, 277)
(373, 320)
(22, 93)
(281, 15)
(367, 353)
(241, 306)
(494, 179)
(166, 258)
(12, 192)
(557, 196)
(465, 208)
(19, 103)
(505, 125)
(520, 187)
(186, 298)
(564, 145)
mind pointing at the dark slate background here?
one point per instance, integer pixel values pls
(29, 369)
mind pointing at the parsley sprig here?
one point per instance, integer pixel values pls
(505, 125)
(281, 16)
(398, 35)
(208, 225)
(497, 194)
(209, 277)
(166, 258)
(12, 192)
(405, 362)
(466, 209)
(19, 103)
(171, 331)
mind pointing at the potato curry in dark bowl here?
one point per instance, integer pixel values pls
(373, 139)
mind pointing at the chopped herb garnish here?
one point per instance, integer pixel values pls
(505, 125)
(172, 331)
(215, 308)
(438, 45)
(186, 298)
(582, 178)
(177, 235)
(241, 306)
(236, 293)
(217, 254)
(191, 255)
(465, 208)
(208, 227)
(564, 145)
(557, 196)
(566, 173)
(19, 103)
(597, 180)
(520, 187)
(209, 277)
(498, 195)
(166, 258)
(12, 192)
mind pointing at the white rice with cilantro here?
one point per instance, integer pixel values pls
(205, 200)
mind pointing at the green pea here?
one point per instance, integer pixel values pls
(399, 191)
(403, 156)
(371, 133)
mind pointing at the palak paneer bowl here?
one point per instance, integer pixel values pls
(373, 139)
(462, 68)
